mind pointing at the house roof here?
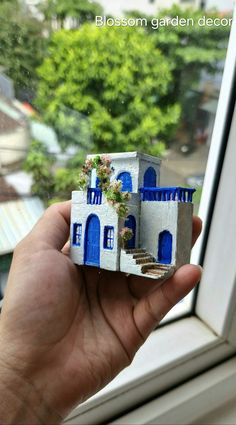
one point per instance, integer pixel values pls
(10, 117)
(16, 220)
(128, 155)
(7, 191)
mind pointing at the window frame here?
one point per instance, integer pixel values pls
(108, 239)
(186, 347)
(77, 234)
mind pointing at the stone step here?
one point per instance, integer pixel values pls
(145, 260)
(135, 251)
(155, 272)
(163, 266)
(140, 255)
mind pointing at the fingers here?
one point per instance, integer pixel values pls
(54, 226)
(151, 309)
(197, 228)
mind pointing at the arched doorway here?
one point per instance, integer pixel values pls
(92, 241)
(130, 222)
(126, 180)
(150, 178)
(165, 247)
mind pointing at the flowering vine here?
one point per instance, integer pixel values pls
(112, 190)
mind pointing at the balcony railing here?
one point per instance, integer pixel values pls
(94, 196)
(180, 194)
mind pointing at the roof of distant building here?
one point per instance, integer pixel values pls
(16, 220)
(7, 191)
(10, 116)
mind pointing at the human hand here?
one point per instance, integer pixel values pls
(66, 331)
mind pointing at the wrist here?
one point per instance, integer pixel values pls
(21, 403)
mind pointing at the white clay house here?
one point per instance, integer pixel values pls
(160, 218)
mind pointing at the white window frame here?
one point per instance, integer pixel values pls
(180, 350)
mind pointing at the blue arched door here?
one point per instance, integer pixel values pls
(150, 178)
(130, 222)
(126, 179)
(92, 241)
(165, 247)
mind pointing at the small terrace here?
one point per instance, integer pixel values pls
(94, 196)
(164, 194)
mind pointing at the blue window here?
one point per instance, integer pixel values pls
(126, 181)
(108, 237)
(165, 247)
(150, 178)
(77, 234)
(130, 222)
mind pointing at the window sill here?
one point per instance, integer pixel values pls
(171, 355)
(207, 395)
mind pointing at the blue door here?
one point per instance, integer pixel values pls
(92, 242)
(165, 247)
(150, 178)
(126, 181)
(131, 224)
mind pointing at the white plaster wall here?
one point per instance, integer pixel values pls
(176, 217)
(136, 167)
(80, 210)
(143, 166)
(130, 165)
(156, 217)
(133, 162)
(109, 259)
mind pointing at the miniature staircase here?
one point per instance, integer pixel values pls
(139, 261)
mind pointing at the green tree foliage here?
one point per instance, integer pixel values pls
(49, 182)
(116, 77)
(79, 11)
(192, 49)
(22, 46)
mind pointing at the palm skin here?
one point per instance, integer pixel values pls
(69, 330)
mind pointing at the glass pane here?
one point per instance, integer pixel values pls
(92, 77)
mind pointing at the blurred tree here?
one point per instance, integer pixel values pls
(49, 182)
(78, 12)
(193, 50)
(22, 47)
(117, 78)
(39, 164)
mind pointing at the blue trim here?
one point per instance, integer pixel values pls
(92, 241)
(180, 194)
(94, 196)
(108, 241)
(165, 248)
(150, 178)
(126, 180)
(130, 222)
(77, 234)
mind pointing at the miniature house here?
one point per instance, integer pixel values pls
(160, 218)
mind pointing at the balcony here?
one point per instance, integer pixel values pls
(94, 196)
(164, 194)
